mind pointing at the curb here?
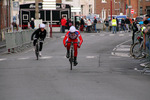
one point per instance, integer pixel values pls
(2, 46)
(145, 65)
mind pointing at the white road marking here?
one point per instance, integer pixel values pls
(62, 36)
(23, 58)
(123, 49)
(122, 54)
(130, 34)
(47, 57)
(111, 34)
(125, 46)
(90, 57)
(102, 35)
(3, 59)
(121, 34)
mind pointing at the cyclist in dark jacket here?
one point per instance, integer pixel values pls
(135, 28)
(39, 34)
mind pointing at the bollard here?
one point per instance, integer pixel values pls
(51, 31)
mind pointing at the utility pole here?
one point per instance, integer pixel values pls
(36, 9)
(111, 9)
(125, 2)
(129, 8)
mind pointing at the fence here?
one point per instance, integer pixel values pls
(18, 41)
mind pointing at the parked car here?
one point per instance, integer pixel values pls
(139, 18)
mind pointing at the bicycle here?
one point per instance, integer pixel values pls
(137, 49)
(71, 58)
(37, 47)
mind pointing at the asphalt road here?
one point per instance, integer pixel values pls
(105, 71)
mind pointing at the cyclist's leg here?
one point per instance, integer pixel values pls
(75, 52)
(34, 42)
(41, 46)
(68, 49)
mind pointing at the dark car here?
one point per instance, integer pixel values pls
(138, 19)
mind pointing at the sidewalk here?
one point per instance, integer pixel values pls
(2, 44)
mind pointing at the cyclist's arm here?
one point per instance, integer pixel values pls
(33, 34)
(65, 38)
(45, 32)
(80, 38)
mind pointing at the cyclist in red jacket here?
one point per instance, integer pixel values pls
(72, 35)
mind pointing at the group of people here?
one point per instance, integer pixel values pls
(114, 24)
(83, 25)
(71, 36)
(144, 30)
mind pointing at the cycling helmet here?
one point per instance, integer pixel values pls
(148, 19)
(72, 29)
(42, 25)
(141, 22)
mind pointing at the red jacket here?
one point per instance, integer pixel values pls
(63, 22)
(79, 37)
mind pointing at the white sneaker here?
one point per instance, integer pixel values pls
(40, 53)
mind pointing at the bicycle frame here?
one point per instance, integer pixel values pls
(71, 58)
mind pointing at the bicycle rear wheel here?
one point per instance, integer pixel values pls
(71, 60)
(37, 51)
(137, 51)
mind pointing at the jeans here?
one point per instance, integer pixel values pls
(114, 29)
(95, 27)
(63, 29)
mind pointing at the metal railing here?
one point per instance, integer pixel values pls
(18, 41)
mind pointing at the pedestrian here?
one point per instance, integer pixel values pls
(123, 24)
(89, 24)
(95, 22)
(114, 25)
(110, 25)
(63, 24)
(127, 21)
(14, 26)
(81, 24)
(32, 25)
(135, 29)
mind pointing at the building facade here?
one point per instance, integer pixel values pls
(87, 7)
(4, 17)
(103, 7)
(144, 7)
(75, 6)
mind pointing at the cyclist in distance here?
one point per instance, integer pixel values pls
(40, 33)
(72, 35)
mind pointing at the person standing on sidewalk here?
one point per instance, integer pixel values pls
(32, 23)
(95, 22)
(114, 25)
(81, 24)
(63, 24)
(127, 21)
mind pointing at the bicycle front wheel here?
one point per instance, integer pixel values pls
(37, 52)
(71, 60)
(137, 51)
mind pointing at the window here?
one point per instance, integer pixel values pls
(141, 10)
(104, 1)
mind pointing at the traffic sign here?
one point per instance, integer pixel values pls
(132, 11)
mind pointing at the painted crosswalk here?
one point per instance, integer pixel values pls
(43, 57)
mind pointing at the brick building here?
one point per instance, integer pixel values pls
(140, 7)
(144, 7)
(4, 16)
(103, 7)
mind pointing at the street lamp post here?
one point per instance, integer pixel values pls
(111, 9)
(37, 9)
